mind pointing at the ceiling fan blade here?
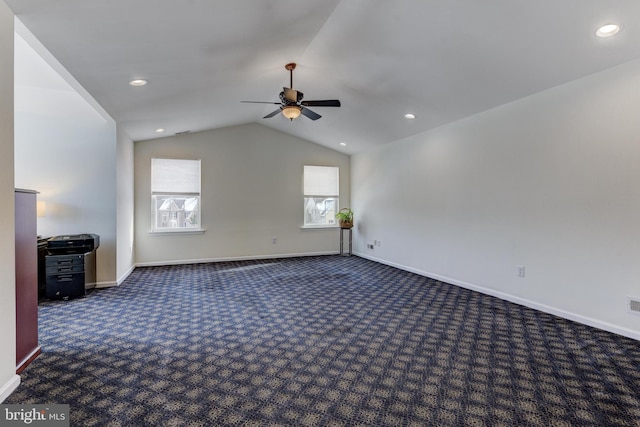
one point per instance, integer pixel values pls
(310, 114)
(324, 103)
(290, 94)
(261, 102)
(274, 113)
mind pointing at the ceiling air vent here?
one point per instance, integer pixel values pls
(184, 132)
(633, 305)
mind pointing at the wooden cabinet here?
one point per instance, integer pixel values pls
(27, 347)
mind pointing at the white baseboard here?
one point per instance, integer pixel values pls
(222, 259)
(599, 324)
(9, 387)
(101, 285)
(125, 275)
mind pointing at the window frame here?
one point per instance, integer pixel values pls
(160, 195)
(323, 194)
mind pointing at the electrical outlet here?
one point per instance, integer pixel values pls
(369, 246)
(274, 240)
(521, 271)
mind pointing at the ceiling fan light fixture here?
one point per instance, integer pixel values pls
(291, 104)
(291, 111)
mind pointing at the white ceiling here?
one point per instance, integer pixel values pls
(442, 60)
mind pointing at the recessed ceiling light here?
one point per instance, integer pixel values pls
(138, 82)
(409, 116)
(608, 30)
(160, 130)
(344, 144)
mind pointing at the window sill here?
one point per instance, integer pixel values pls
(319, 227)
(186, 231)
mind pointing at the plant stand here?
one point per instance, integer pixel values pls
(342, 252)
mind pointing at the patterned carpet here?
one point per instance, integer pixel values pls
(322, 341)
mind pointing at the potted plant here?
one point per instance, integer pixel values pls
(345, 217)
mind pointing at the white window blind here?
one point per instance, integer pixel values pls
(175, 176)
(321, 181)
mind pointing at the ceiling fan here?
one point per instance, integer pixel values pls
(291, 103)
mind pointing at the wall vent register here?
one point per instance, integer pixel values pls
(633, 305)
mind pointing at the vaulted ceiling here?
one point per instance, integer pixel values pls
(441, 60)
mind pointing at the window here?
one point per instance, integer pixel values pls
(175, 195)
(321, 191)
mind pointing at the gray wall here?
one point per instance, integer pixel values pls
(251, 192)
(549, 182)
(8, 378)
(65, 148)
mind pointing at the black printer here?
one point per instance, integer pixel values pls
(73, 244)
(70, 265)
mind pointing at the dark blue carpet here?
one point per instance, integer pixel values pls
(322, 341)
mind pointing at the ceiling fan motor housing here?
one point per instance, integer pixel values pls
(285, 101)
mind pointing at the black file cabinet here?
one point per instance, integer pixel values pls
(70, 265)
(69, 275)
